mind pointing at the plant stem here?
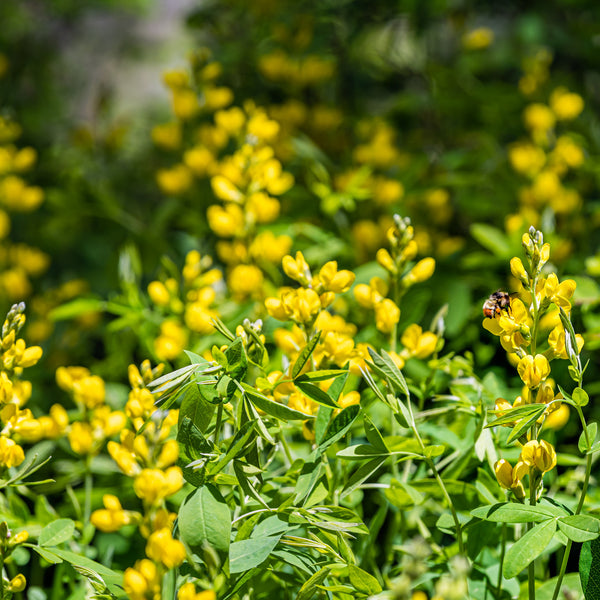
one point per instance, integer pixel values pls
(218, 423)
(565, 559)
(532, 501)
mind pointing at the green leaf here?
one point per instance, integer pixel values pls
(518, 413)
(112, 579)
(385, 367)
(239, 469)
(76, 308)
(316, 393)
(339, 426)
(310, 587)
(403, 495)
(275, 409)
(514, 512)
(592, 433)
(361, 452)
(304, 355)
(580, 397)
(528, 548)
(375, 438)
(321, 422)
(570, 588)
(320, 375)
(57, 532)
(580, 528)
(247, 554)
(205, 518)
(237, 446)
(237, 363)
(361, 474)
(589, 569)
(491, 238)
(363, 581)
(526, 423)
(195, 407)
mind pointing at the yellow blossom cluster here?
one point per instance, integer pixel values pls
(303, 71)
(186, 304)
(531, 328)
(535, 456)
(18, 424)
(147, 453)
(402, 271)
(18, 262)
(546, 159)
(96, 421)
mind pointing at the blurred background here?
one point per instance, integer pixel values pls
(475, 120)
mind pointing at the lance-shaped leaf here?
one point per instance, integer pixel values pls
(305, 355)
(515, 414)
(340, 426)
(580, 528)
(275, 409)
(525, 424)
(362, 474)
(386, 368)
(316, 393)
(514, 512)
(528, 548)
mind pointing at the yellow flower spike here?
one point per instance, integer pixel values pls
(540, 455)
(304, 304)
(296, 268)
(533, 370)
(89, 391)
(387, 314)
(153, 485)
(277, 309)
(334, 280)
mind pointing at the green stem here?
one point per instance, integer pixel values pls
(532, 502)
(565, 559)
(88, 486)
(502, 553)
(218, 423)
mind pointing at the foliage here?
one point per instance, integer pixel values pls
(287, 263)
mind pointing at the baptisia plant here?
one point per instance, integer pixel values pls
(534, 327)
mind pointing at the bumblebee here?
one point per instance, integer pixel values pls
(496, 303)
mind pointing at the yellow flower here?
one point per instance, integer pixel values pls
(540, 455)
(17, 584)
(477, 39)
(418, 343)
(89, 391)
(349, 399)
(158, 293)
(526, 158)
(518, 270)
(167, 136)
(511, 478)
(267, 246)
(81, 437)
(422, 271)
(11, 454)
(387, 314)
(188, 592)
(175, 180)
(161, 547)
(226, 221)
(557, 341)
(539, 118)
(142, 581)
(262, 208)
(185, 104)
(558, 418)
(296, 268)
(565, 105)
(153, 485)
(231, 120)
(199, 160)
(125, 459)
(217, 97)
(559, 293)
(112, 517)
(334, 280)
(245, 280)
(533, 370)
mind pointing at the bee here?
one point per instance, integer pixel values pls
(496, 303)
